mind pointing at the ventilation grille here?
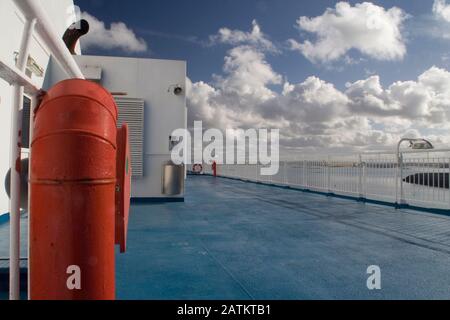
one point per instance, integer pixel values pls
(131, 111)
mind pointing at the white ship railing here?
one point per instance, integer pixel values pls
(370, 176)
(37, 21)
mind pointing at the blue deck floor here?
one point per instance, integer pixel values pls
(237, 240)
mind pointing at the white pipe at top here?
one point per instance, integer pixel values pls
(16, 140)
(44, 27)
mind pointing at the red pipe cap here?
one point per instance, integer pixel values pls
(123, 188)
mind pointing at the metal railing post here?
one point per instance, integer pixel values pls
(14, 201)
(397, 175)
(15, 160)
(328, 174)
(360, 177)
(402, 195)
(304, 182)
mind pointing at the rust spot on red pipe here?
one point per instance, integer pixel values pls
(18, 165)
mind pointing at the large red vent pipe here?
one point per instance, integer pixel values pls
(75, 192)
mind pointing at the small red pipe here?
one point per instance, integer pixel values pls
(214, 168)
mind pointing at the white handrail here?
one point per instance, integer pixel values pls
(422, 182)
(16, 127)
(44, 27)
(406, 151)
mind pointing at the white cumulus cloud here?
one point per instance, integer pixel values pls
(255, 38)
(118, 36)
(441, 9)
(370, 29)
(248, 74)
(425, 101)
(314, 114)
(245, 82)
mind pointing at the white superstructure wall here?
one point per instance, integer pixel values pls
(11, 30)
(153, 81)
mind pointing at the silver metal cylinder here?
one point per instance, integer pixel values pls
(172, 179)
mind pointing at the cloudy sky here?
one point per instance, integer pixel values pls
(330, 75)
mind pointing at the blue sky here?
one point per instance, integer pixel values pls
(163, 24)
(185, 30)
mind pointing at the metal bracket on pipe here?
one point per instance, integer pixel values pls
(15, 77)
